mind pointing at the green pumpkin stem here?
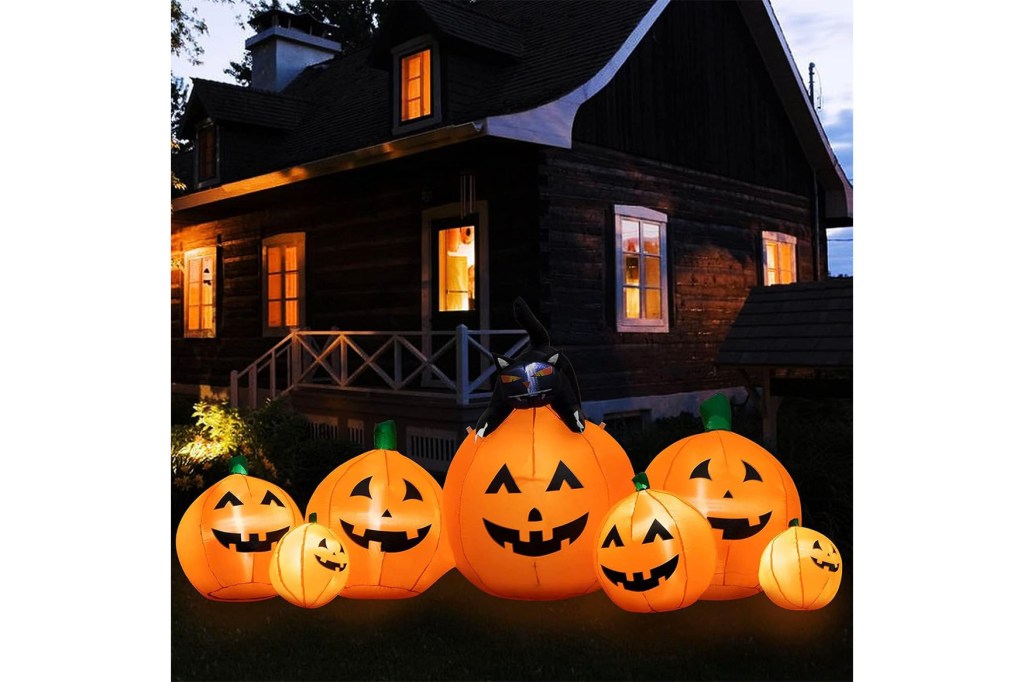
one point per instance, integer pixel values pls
(794, 522)
(641, 482)
(716, 412)
(312, 517)
(384, 436)
(238, 464)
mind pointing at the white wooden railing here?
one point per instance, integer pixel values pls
(431, 364)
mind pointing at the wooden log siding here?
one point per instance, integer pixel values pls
(714, 241)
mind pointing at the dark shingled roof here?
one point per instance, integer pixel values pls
(344, 103)
(234, 103)
(808, 324)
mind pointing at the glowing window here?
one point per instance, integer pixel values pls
(779, 258)
(206, 153)
(416, 85)
(456, 269)
(642, 271)
(200, 292)
(284, 281)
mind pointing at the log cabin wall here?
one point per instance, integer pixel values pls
(363, 249)
(690, 126)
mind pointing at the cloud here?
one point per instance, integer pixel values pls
(840, 135)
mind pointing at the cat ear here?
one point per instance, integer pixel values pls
(553, 359)
(501, 361)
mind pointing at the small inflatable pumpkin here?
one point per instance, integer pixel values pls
(225, 538)
(523, 505)
(387, 511)
(308, 567)
(746, 494)
(800, 569)
(654, 551)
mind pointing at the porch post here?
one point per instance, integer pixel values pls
(461, 365)
(234, 388)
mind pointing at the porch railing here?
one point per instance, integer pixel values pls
(454, 364)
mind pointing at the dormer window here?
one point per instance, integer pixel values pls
(416, 79)
(206, 152)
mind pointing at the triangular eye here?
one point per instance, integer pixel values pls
(563, 475)
(751, 473)
(701, 470)
(612, 538)
(502, 478)
(816, 545)
(411, 493)
(362, 488)
(229, 498)
(323, 543)
(271, 498)
(657, 531)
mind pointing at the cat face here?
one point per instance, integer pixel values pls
(528, 384)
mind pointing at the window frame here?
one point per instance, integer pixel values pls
(399, 53)
(207, 125)
(190, 256)
(629, 324)
(771, 236)
(284, 239)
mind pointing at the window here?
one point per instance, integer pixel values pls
(201, 292)
(641, 272)
(416, 85)
(206, 153)
(456, 269)
(416, 75)
(779, 258)
(284, 265)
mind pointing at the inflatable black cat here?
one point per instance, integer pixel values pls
(540, 375)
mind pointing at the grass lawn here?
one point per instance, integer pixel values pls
(455, 632)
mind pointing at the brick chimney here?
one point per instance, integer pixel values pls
(284, 45)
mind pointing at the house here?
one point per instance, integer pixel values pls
(359, 224)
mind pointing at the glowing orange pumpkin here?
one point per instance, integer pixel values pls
(800, 569)
(308, 567)
(745, 493)
(224, 539)
(654, 551)
(387, 511)
(523, 505)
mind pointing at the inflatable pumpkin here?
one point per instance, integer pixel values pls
(523, 504)
(387, 511)
(225, 538)
(800, 569)
(654, 551)
(308, 567)
(747, 496)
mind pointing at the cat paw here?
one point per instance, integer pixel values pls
(579, 421)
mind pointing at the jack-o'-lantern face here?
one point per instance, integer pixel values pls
(745, 493)
(387, 511)
(309, 566)
(654, 552)
(523, 505)
(225, 538)
(800, 569)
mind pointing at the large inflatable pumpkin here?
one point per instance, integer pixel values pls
(800, 569)
(225, 538)
(523, 504)
(387, 511)
(654, 552)
(746, 494)
(308, 567)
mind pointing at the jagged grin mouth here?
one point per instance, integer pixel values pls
(738, 529)
(253, 544)
(536, 545)
(639, 583)
(832, 568)
(330, 565)
(390, 540)
(533, 396)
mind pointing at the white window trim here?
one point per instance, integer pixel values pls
(398, 126)
(781, 238)
(284, 239)
(622, 323)
(190, 255)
